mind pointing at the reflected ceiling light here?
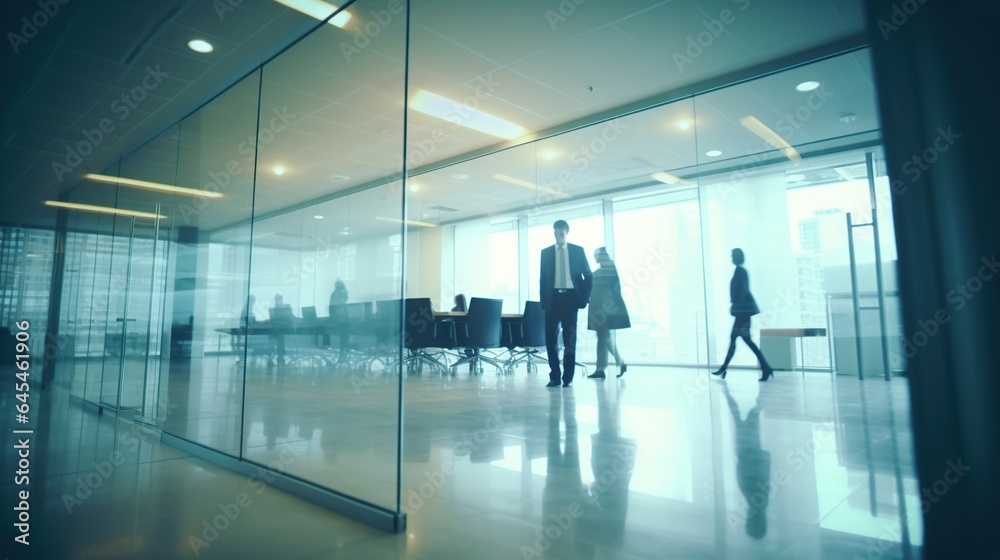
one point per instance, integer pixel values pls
(664, 177)
(339, 177)
(407, 222)
(529, 185)
(279, 170)
(548, 155)
(318, 217)
(200, 46)
(414, 187)
(150, 185)
(460, 176)
(807, 86)
(713, 153)
(848, 118)
(319, 10)
(684, 124)
(452, 111)
(771, 137)
(104, 210)
(795, 178)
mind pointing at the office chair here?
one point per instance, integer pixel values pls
(480, 330)
(529, 336)
(422, 331)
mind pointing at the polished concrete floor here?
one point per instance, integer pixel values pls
(663, 463)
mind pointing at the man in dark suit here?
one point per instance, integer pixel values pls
(565, 282)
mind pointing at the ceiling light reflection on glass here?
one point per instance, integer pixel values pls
(279, 170)
(319, 10)
(713, 153)
(104, 210)
(454, 112)
(807, 86)
(150, 185)
(407, 222)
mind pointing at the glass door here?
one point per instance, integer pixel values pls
(135, 295)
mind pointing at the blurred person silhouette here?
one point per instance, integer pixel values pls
(742, 309)
(565, 282)
(282, 323)
(339, 294)
(607, 313)
(753, 465)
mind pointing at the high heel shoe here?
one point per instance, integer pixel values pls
(766, 374)
(624, 368)
(721, 372)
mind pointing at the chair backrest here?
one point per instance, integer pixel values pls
(532, 325)
(309, 312)
(483, 321)
(387, 313)
(418, 323)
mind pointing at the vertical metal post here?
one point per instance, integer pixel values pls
(880, 288)
(128, 281)
(854, 296)
(142, 416)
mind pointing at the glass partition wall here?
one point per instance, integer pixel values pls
(258, 313)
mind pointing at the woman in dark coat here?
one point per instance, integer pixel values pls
(743, 307)
(606, 313)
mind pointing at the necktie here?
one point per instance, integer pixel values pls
(560, 268)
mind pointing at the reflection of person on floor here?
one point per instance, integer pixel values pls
(612, 460)
(562, 498)
(753, 467)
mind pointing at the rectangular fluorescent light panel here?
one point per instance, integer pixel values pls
(771, 137)
(529, 185)
(452, 111)
(104, 210)
(664, 177)
(319, 10)
(150, 185)
(407, 222)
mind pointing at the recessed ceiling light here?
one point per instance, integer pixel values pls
(713, 153)
(807, 86)
(460, 176)
(407, 222)
(684, 124)
(548, 155)
(670, 179)
(339, 177)
(279, 170)
(345, 233)
(318, 217)
(200, 45)
(848, 118)
(103, 209)
(414, 187)
(795, 178)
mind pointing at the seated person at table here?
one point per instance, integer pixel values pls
(460, 304)
(462, 307)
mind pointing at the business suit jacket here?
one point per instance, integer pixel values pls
(579, 272)
(740, 296)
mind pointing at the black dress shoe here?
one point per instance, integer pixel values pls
(567, 384)
(624, 368)
(596, 375)
(552, 384)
